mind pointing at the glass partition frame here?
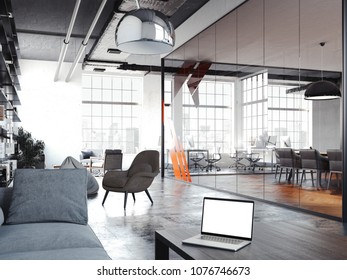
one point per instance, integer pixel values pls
(268, 99)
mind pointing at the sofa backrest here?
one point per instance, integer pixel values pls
(41, 195)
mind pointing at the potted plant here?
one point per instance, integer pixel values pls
(30, 151)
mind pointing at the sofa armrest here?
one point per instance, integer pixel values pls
(5, 200)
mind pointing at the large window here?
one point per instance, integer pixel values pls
(209, 124)
(254, 108)
(268, 109)
(111, 112)
(289, 116)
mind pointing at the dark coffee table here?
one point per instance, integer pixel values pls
(271, 241)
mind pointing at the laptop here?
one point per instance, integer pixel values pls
(226, 224)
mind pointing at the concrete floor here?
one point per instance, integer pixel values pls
(129, 235)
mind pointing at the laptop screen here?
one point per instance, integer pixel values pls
(228, 217)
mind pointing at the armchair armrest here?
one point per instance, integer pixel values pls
(146, 174)
(115, 178)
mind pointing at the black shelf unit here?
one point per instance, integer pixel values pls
(9, 64)
(9, 83)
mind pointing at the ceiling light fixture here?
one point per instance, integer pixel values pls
(322, 90)
(113, 51)
(145, 31)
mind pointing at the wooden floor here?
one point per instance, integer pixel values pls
(264, 185)
(129, 235)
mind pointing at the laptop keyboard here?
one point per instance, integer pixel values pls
(221, 239)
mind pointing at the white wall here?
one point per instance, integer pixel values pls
(50, 110)
(150, 122)
(326, 125)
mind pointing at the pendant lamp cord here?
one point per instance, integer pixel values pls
(299, 41)
(321, 59)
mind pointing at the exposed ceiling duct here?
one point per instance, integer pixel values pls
(85, 42)
(67, 40)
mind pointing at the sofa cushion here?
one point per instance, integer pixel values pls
(50, 241)
(84, 253)
(2, 219)
(49, 195)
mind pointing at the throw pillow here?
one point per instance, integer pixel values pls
(87, 154)
(2, 218)
(49, 195)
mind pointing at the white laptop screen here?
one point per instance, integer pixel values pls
(228, 217)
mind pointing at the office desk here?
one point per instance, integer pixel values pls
(271, 241)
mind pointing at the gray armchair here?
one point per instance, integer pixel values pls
(138, 178)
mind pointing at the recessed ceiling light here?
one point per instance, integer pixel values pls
(114, 51)
(99, 69)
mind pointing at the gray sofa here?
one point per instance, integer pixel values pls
(45, 216)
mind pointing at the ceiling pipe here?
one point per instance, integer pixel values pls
(85, 42)
(66, 40)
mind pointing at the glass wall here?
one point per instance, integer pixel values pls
(250, 101)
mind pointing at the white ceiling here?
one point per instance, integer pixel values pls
(259, 32)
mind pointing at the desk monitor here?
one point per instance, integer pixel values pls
(272, 140)
(285, 141)
(190, 140)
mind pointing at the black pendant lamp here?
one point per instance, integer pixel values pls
(322, 90)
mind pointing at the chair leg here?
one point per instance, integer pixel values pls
(125, 199)
(276, 171)
(149, 196)
(330, 174)
(319, 178)
(302, 176)
(106, 194)
(312, 178)
(297, 176)
(133, 196)
(338, 180)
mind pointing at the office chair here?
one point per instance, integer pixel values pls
(253, 159)
(196, 158)
(311, 160)
(212, 160)
(335, 165)
(289, 161)
(238, 156)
